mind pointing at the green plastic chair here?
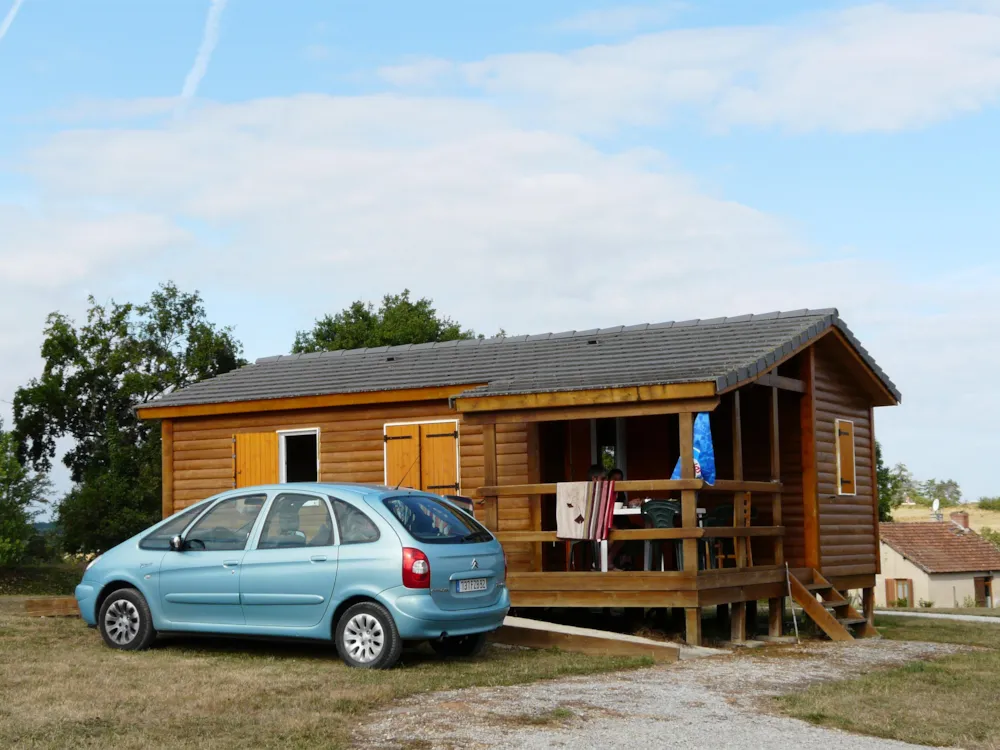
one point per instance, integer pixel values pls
(662, 514)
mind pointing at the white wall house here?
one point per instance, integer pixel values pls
(943, 562)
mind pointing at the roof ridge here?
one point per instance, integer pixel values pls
(747, 318)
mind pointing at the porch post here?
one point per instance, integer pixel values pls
(776, 606)
(689, 520)
(738, 610)
(490, 512)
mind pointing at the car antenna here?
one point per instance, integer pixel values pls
(403, 478)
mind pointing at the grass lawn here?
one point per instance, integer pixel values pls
(61, 687)
(949, 701)
(978, 611)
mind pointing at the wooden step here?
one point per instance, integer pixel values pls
(817, 586)
(817, 612)
(851, 620)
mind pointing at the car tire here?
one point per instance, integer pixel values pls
(460, 645)
(367, 637)
(125, 621)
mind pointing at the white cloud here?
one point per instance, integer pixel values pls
(868, 68)
(9, 18)
(209, 38)
(620, 19)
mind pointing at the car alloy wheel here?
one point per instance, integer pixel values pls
(364, 638)
(121, 622)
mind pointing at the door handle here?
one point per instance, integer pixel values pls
(318, 558)
(230, 563)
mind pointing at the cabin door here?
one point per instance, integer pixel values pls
(255, 458)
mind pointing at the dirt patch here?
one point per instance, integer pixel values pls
(719, 702)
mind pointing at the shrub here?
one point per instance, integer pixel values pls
(989, 503)
(902, 603)
(925, 604)
(969, 602)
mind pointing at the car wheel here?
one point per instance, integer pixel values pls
(367, 637)
(460, 645)
(125, 621)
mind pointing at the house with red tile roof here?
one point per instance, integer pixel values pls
(943, 562)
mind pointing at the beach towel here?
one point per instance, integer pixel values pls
(571, 509)
(704, 451)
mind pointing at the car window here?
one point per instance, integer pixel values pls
(160, 539)
(354, 526)
(227, 526)
(297, 521)
(435, 522)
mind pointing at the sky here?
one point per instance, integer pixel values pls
(529, 166)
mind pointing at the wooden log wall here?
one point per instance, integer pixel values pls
(351, 450)
(847, 530)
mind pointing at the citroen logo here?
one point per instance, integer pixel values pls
(475, 564)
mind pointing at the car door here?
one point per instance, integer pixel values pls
(200, 585)
(287, 579)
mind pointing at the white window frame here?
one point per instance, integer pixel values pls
(282, 462)
(854, 443)
(458, 444)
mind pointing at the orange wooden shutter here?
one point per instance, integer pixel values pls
(402, 455)
(439, 458)
(255, 458)
(846, 470)
(890, 592)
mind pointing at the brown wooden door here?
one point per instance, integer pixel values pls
(255, 457)
(982, 584)
(402, 456)
(439, 458)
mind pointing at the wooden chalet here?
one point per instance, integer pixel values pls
(791, 398)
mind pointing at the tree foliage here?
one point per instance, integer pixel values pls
(398, 320)
(21, 492)
(889, 485)
(94, 376)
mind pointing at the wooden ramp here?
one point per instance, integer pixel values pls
(829, 608)
(520, 631)
(52, 606)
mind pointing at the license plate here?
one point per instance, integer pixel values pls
(471, 584)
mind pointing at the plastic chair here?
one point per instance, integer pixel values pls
(662, 514)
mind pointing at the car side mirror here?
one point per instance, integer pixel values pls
(177, 544)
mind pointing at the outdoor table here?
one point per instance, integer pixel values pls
(648, 544)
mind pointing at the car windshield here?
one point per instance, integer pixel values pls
(434, 522)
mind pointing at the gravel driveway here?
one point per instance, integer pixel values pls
(717, 702)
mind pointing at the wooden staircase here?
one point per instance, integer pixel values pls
(828, 608)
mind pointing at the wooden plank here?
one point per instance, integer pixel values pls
(775, 447)
(306, 402)
(692, 626)
(737, 439)
(780, 381)
(817, 612)
(591, 397)
(560, 598)
(490, 517)
(727, 577)
(738, 622)
(167, 452)
(810, 482)
(584, 642)
(52, 606)
(622, 580)
(751, 593)
(549, 488)
(775, 616)
(649, 408)
(725, 485)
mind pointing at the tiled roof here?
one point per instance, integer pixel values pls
(722, 350)
(941, 546)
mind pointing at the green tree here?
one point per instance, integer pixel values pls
(890, 484)
(398, 320)
(94, 377)
(21, 492)
(947, 491)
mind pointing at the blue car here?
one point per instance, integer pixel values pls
(367, 567)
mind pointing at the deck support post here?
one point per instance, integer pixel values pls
(738, 622)
(775, 616)
(692, 625)
(491, 513)
(868, 604)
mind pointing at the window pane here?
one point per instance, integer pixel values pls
(355, 527)
(160, 539)
(297, 521)
(227, 526)
(430, 520)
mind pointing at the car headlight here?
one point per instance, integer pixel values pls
(92, 562)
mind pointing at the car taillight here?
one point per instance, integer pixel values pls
(416, 569)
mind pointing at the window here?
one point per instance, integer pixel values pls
(429, 520)
(899, 592)
(160, 539)
(300, 456)
(297, 521)
(355, 527)
(846, 470)
(227, 526)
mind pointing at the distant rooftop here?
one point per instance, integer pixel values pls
(720, 350)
